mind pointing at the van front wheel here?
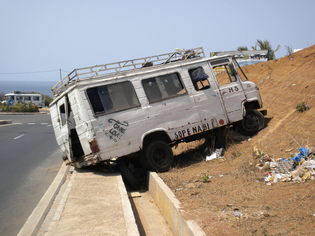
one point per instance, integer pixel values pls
(159, 156)
(251, 123)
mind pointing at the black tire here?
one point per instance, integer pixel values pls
(158, 156)
(251, 123)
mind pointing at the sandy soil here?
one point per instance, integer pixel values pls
(235, 200)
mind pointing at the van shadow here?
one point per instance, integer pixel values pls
(200, 153)
(267, 120)
(133, 174)
(100, 169)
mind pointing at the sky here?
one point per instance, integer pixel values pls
(43, 36)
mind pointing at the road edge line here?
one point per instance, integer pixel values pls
(170, 208)
(35, 220)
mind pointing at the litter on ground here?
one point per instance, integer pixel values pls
(216, 154)
(295, 169)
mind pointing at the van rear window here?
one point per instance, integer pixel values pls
(163, 87)
(112, 97)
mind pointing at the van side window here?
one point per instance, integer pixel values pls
(163, 87)
(199, 78)
(225, 74)
(62, 113)
(113, 97)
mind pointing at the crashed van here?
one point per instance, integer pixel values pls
(147, 105)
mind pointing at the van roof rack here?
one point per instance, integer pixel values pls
(121, 66)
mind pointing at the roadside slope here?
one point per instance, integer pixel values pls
(236, 201)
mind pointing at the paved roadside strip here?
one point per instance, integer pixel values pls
(38, 215)
(91, 203)
(5, 122)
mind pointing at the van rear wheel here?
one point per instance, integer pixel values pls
(158, 156)
(251, 123)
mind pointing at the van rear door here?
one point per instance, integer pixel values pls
(64, 140)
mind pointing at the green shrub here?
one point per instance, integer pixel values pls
(20, 107)
(301, 107)
(205, 178)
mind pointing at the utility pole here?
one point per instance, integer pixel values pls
(60, 75)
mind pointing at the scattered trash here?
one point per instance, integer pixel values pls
(216, 154)
(303, 154)
(295, 169)
(194, 193)
(134, 194)
(266, 214)
(288, 150)
(237, 213)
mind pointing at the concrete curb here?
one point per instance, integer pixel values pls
(131, 225)
(34, 221)
(5, 122)
(170, 208)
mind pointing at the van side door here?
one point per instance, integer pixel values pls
(230, 87)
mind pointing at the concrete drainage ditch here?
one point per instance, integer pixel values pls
(156, 209)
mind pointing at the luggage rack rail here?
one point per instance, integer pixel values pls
(127, 65)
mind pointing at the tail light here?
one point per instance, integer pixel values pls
(93, 146)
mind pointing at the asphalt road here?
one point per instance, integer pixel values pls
(30, 159)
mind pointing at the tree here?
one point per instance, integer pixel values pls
(289, 50)
(1, 96)
(265, 45)
(242, 48)
(47, 100)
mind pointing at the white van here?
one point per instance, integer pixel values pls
(148, 104)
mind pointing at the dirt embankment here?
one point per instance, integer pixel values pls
(233, 199)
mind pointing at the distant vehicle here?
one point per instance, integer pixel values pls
(17, 97)
(147, 105)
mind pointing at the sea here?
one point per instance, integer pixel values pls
(43, 87)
